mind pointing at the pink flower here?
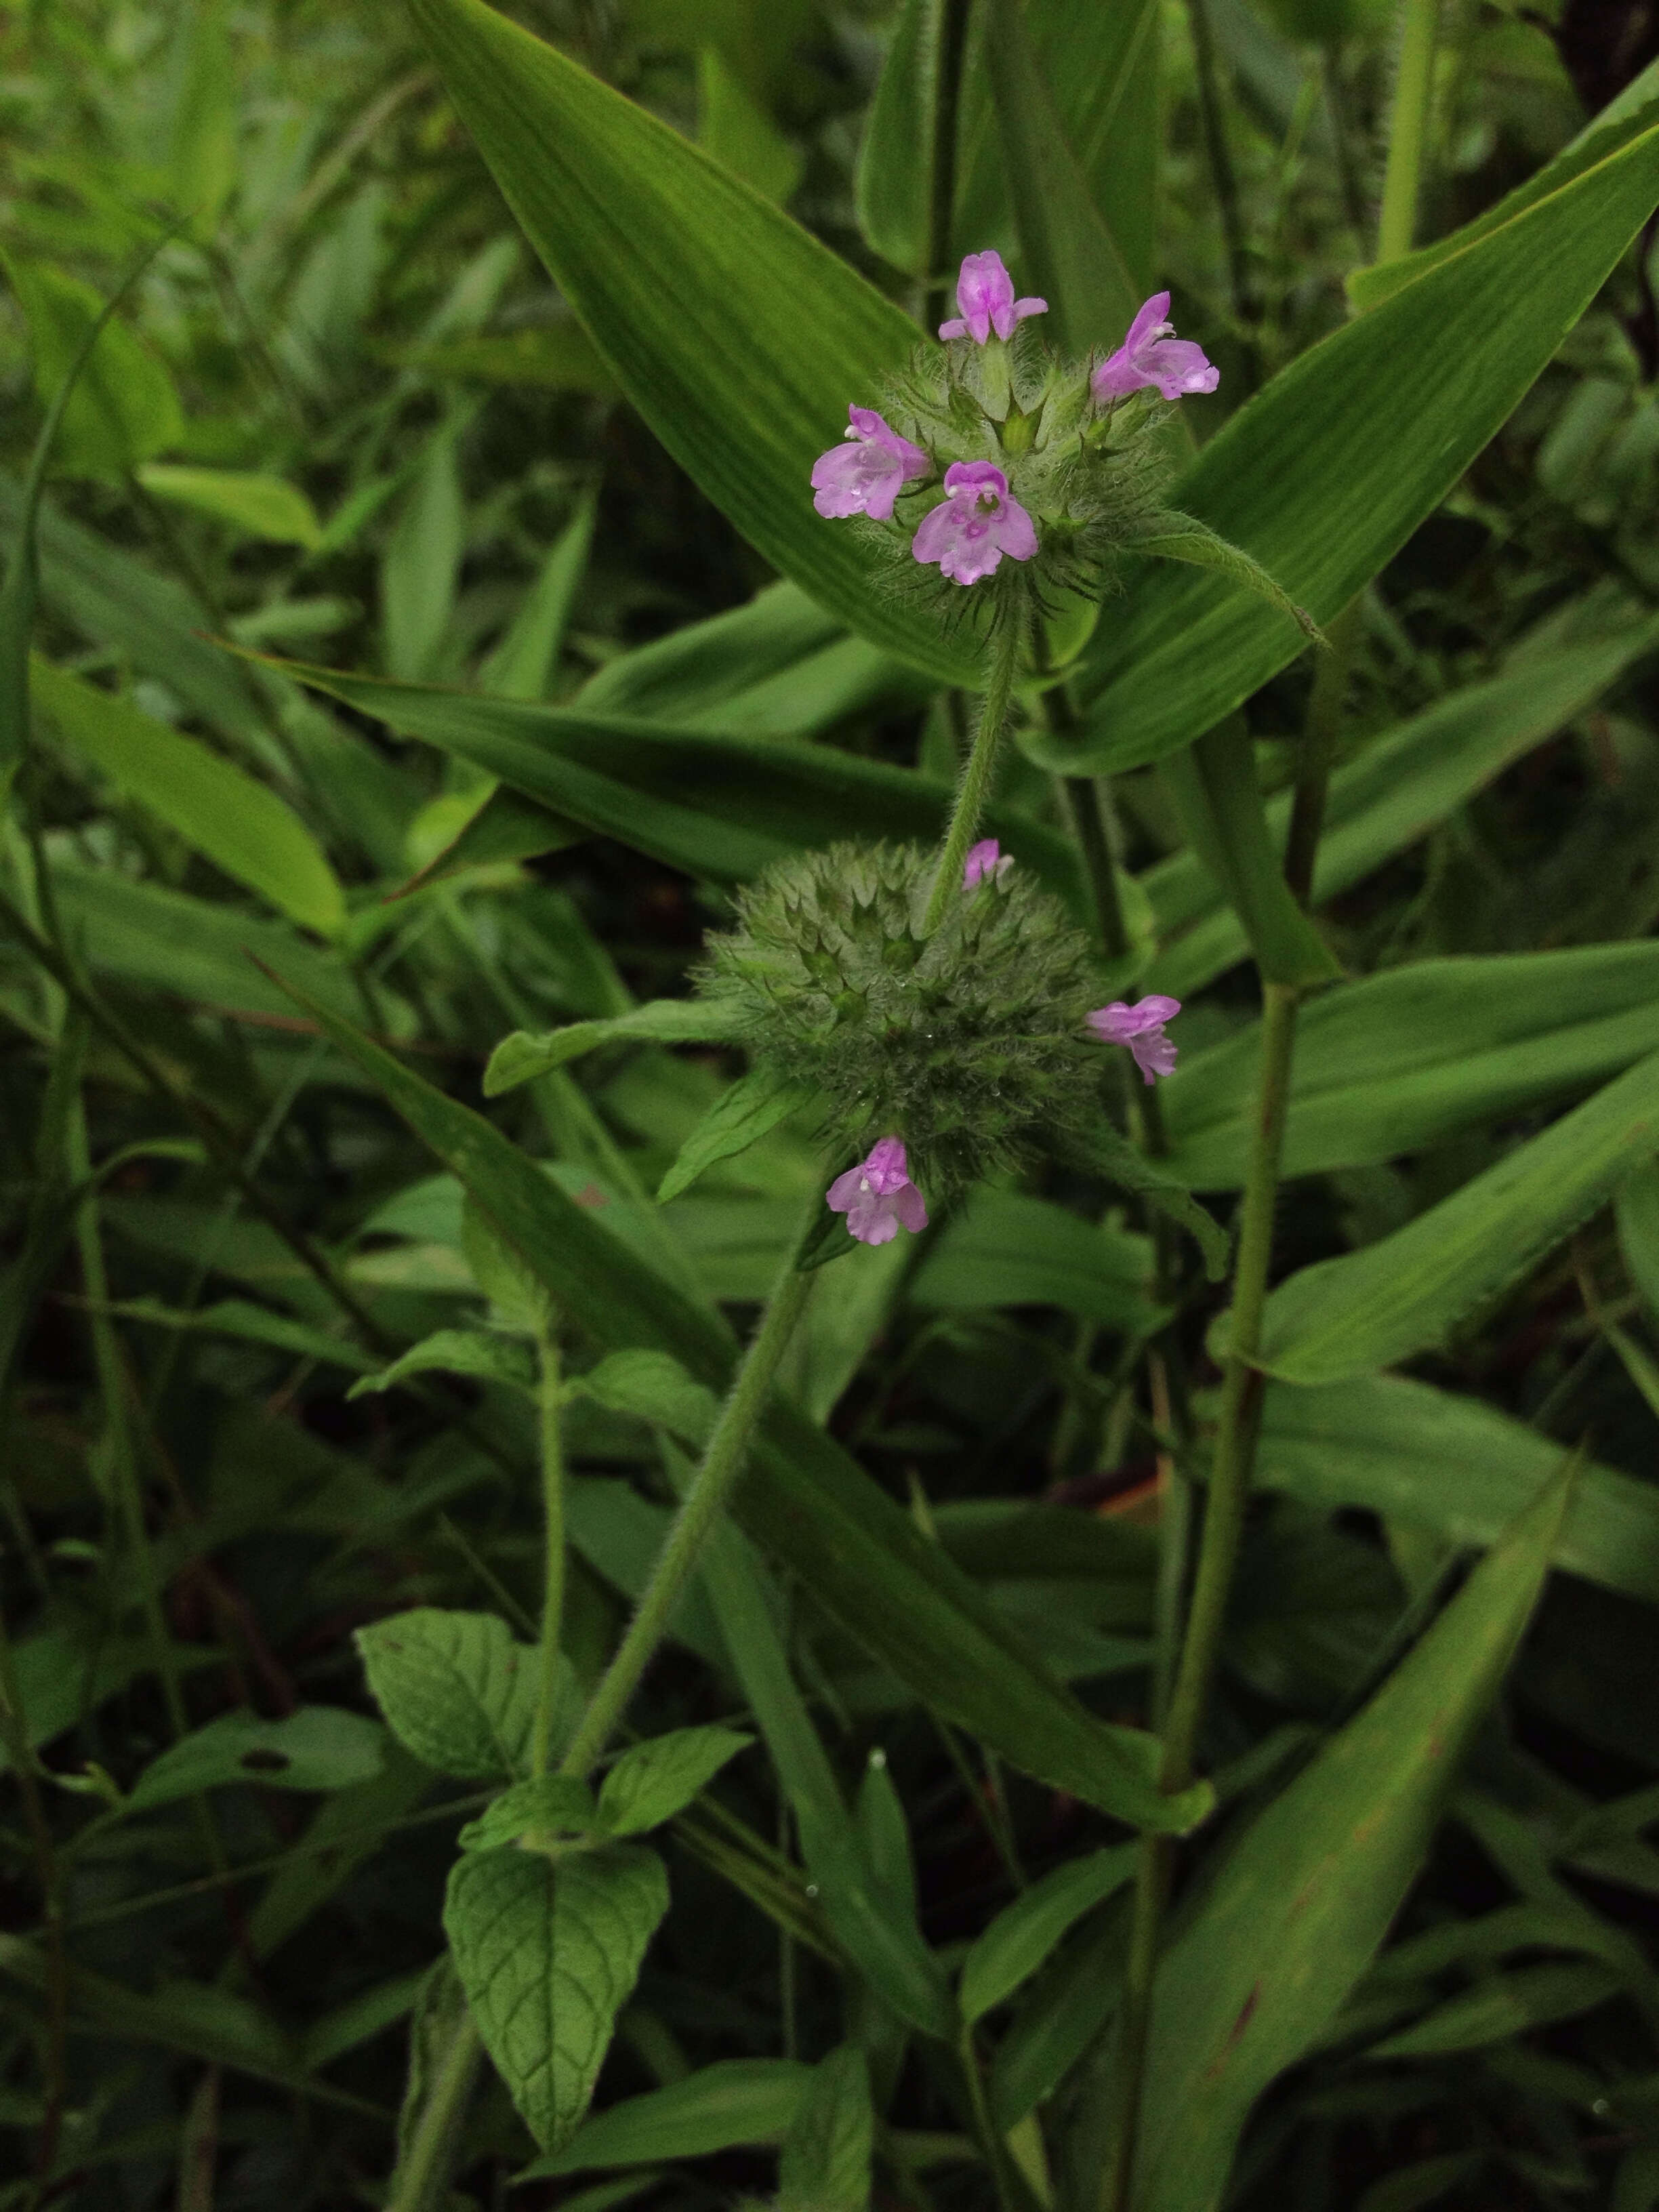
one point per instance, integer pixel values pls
(985, 294)
(986, 859)
(877, 1196)
(976, 523)
(1141, 1028)
(1152, 354)
(867, 476)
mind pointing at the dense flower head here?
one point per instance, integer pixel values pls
(1153, 357)
(972, 1041)
(1141, 1028)
(877, 1196)
(985, 298)
(867, 476)
(978, 523)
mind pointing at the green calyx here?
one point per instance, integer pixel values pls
(965, 1043)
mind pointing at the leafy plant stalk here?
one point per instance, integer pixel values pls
(1408, 128)
(977, 777)
(548, 1398)
(422, 2180)
(1089, 822)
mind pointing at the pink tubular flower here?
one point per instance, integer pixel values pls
(985, 294)
(976, 525)
(1141, 1028)
(866, 477)
(1152, 354)
(877, 1196)
(986, 859)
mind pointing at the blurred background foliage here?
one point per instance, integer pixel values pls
(342, 416)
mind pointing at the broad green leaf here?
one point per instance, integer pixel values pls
(733, 129)
(548, 1954)
(124, 407)
(558, 1802)
(65, 1671)
(317, 1747)
(525, 662)
(200, 951)
(520, 1057)
(654, 1386)
(421, 569)
(653, 1781)
(555, 357)
(1504, 2005)
(720, 807)
(1449, 1465)
(242, 827)
(1404, 1293)
(1024, 1933)
(740, 1117)
(456, 1351)
(825, 2167)
(870, 1568)
(893, 185)
(1004, 1249)
(1060, 2017)
(1306, 1896)
(1403, 1059)
(479, 828)
(1214, 784)
(1401, 785)
(455, 1688)
(1623, 119)
(734, 2101)
(739, 338)
(268, 508)
(1636, 1212)
(197, 2018)
(1286, 481)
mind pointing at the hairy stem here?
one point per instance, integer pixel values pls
(976, 778)
(421, 2183)
(1408, 128)
(550, 1395)
(722, 1463)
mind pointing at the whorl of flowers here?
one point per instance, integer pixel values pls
(991, 467)
(965, 1044)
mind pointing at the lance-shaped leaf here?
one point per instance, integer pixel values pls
(1431, 374)
(548, 1953)
(518, 1058)
(740, 1117)
(1306, 1895)
(739, 338)
(1107, 1152)
(1183, 537)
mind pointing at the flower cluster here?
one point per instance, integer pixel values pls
(973, 1040)
(998, 451)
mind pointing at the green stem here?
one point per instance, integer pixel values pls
(14, 1733)
(549, 1398)
(991, 2145)
(942, 195)
(1408, 128)
(1088, 821)
(976, 778)
(1213, 116)
(1330, 685)
(722, 1463)
(421, 2181)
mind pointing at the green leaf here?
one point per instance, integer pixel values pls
(1449, 1465)
(456, 1351)
(525, 662)
(738, 1118)
(555, 1802)
(1504, 2005)
(654, 1386)
(347, 1830)
(252, 1324)
(733, 131)
(520, 1058)
(421, 569)
(652, 1781)
(1401, 784)
(1636, 1209)
(739, 338)
(455, 1688)
(1004, 1249)
(1403, 1294)
(242, 827)
(1183, 538)
(825, 2167)
(124, 407)
(734, 2101)
(1286, 480)
(1306, 1896)
(870, 1568)
(1060, 2017)
(555, 356)
(1214, 784)
(319, 1747)
(1400, 1059)
(548, 1954)
(1023, 1934)
(266, 508)
(893, 184)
